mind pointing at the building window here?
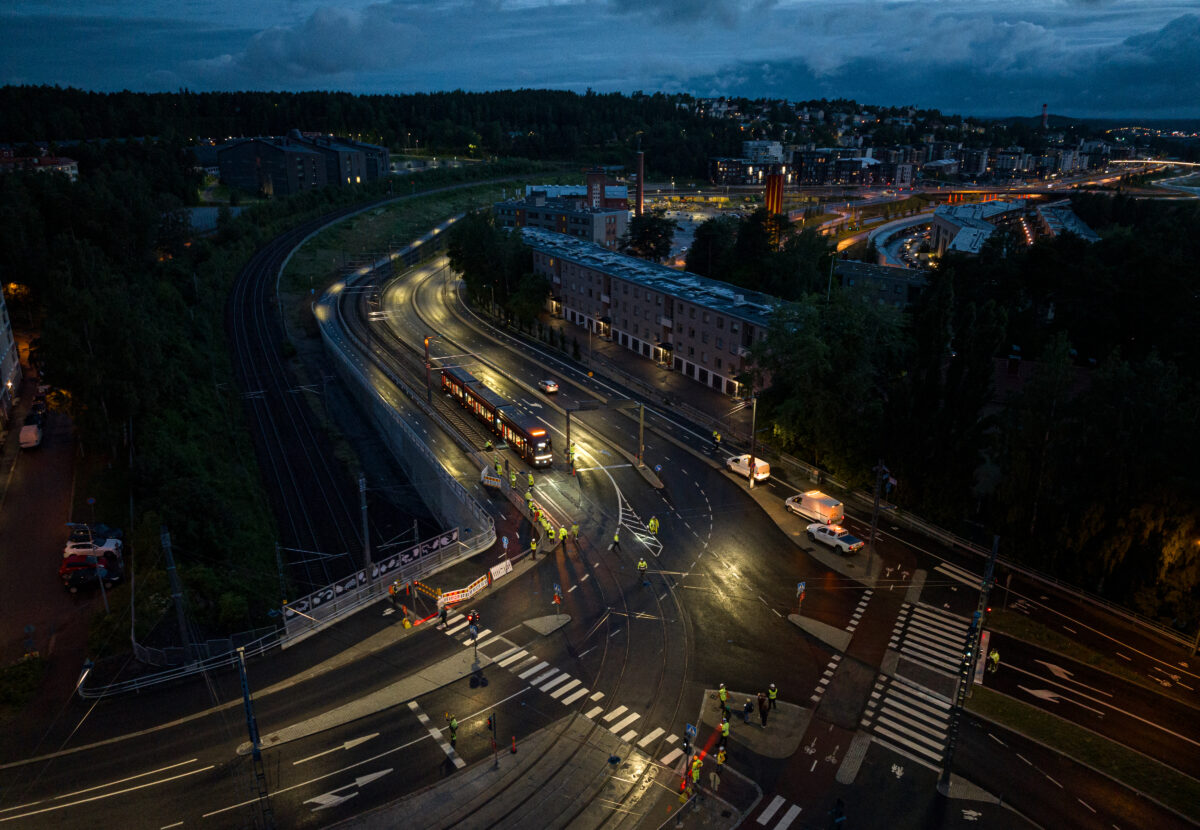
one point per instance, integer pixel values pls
(691, 351)
(733, 327)
(703, 337)
(692, 333)
(704, 358)
(717, 362)
(720, 322)
(705, 317)
(692, 312)
(720, 342)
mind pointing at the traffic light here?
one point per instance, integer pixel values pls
(491, 725)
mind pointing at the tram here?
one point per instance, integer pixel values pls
(522, 432)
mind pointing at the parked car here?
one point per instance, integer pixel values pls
(740, 465)
(80, 572)
(836, 536)
(95, 547)
(548, 385)
(92, 532)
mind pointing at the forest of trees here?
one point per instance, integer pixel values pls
(1087, 470)
(128, 307)
(540, 124)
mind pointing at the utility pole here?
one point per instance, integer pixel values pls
(641, 433)
(362, 497)
(260, 774)
(176, 592)
(880, 472)
(753, 427)
(967, 668)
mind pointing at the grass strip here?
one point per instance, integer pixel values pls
(1134, 770)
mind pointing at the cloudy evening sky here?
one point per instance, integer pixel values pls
(1083, 57)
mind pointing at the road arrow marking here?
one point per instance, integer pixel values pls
(350, 744)
(1057, 671)
(1054, 697)
(1044, 694)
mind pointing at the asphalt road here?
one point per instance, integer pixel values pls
(1129, 714)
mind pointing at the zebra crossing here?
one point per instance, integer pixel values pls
(564, 688)
(930, 636)
(858, 611)
(775, 807)
(909, 719)
(957, 574)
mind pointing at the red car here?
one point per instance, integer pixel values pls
(79, 571)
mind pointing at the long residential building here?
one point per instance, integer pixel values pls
(700, 327)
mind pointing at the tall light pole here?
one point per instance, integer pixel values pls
(428, 388)
(753, 425)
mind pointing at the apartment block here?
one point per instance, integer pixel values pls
(697, 326)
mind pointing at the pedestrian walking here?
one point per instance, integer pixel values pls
(497, 463)
(746, 710)
(616, 545)
(772, 693)
(642, 571)
(723, 697)
(993, 661)
(533, 548)
(652, 525)
(453, 721)
(763, 708)
(443, 612)
(512, 479)
(531, 481)
(575, 534)
(721, 756)
(725, 727)
(562, 537)
(392, 593)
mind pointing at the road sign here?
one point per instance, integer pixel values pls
(658, 468)
(474, 632)
(689, 730)
(557, 589)
(504, 542)
(799, 588)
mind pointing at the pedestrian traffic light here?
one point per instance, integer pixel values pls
(491, 726)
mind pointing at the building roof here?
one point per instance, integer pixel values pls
(558, 191)
(753, 306)
(970, 240)
(861, 270)
(291, 146)
(1059, 218)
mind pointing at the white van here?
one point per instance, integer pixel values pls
(31, 436)
(740, 465)
(817, 506)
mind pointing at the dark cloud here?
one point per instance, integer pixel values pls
(1009, 72)
(722, 12)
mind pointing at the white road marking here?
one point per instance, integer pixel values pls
(771, 809)
(615, 713)
(650, 736)
(574, 696)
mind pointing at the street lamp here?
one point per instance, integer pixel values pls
(428, 388)
(753, 424)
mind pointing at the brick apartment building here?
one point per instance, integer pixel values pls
(700, 327)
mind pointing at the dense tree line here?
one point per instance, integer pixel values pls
(591, 128)
(761, 252)
(130, 310)
(1087, 469)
